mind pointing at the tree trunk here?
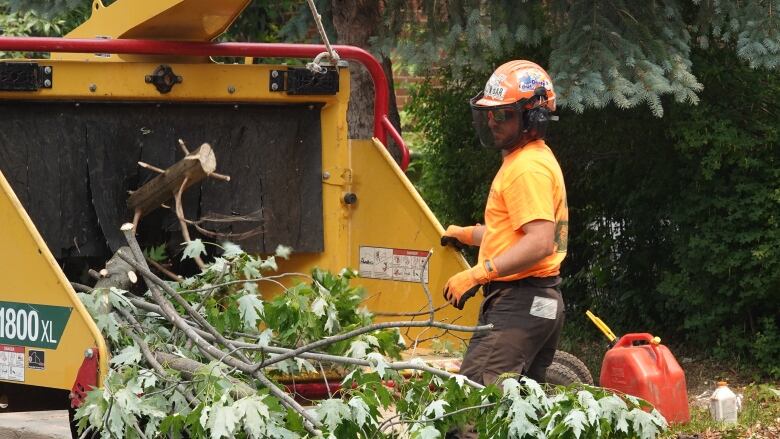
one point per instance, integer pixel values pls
(355, 22)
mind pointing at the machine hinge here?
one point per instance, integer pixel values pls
(24, 76)
(86, 379)
(299, 81)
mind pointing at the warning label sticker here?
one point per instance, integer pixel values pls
(11, 363)
(393, 264)
(36, 359)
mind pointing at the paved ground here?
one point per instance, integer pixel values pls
(35, 425)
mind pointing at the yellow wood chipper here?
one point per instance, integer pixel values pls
(123, 88)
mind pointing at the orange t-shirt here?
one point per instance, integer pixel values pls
(529, 186)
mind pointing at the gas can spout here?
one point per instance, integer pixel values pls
(602, 327)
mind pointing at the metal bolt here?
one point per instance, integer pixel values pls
(350, 198)
(92, 87)
(89, 353)
(274, 86)
(47, 70)
(231, 89)
(274, 74)
(47, 83)
(325, 175)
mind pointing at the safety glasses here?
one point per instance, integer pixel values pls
(487, 120)
(497, 113)
(500, 115)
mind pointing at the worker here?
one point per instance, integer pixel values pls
(523, 240)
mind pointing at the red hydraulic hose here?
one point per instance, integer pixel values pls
(258, 50)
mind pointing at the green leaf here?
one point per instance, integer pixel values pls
(644, 423)
(269, 264)
(130, 355)
(193, 249)
(437, 408)
(231, 250)
(361, 413)
(378, 362)
(117, 298)
(222, 420)
(428, 432)
(357, 349)
(577, 420)
(332, 412)
(251, 309)
(591, 406)
(318, 306)
(157, 254)
(283, 251)
(254, 413)
(147, 378)
(332, 324)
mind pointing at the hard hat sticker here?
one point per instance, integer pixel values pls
(494, 88)
(529, 80)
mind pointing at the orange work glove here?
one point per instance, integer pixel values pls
(462, 234)
(465, 284)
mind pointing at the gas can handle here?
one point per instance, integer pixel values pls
(628, 339)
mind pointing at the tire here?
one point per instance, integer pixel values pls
(559, 374)
(575, 365)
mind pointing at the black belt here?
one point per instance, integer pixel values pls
(531, 281)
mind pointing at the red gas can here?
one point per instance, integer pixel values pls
(638, 366)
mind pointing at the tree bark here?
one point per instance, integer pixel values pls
(116, 274)
(194, 167)
(355, 22)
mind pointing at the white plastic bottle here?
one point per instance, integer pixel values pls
(724, 404)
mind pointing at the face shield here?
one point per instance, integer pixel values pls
(498, 127)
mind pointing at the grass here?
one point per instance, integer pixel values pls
(759, 417)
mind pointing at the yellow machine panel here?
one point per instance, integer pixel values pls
(391, 231)
(45, 331)
(181, 20)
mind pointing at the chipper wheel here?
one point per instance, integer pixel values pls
(575, 365)
(567, 369)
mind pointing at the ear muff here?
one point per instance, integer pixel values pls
(536, 118)
(536, 122)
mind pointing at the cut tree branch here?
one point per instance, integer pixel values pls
(193, 168)
(311, 424)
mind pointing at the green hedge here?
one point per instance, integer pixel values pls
(674, 220)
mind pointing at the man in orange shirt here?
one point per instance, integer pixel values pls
(523, 240)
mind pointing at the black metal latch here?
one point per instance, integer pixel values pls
(298, 81)
(163, 78)
(24, 76)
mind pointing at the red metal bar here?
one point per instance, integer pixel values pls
(188, 48)
(398, 140)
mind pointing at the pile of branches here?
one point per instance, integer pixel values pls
(204, 356)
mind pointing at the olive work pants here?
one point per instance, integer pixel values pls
(527, 317)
